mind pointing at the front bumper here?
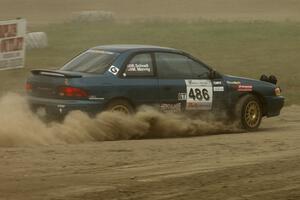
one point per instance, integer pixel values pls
(274, 105)
(61, 107)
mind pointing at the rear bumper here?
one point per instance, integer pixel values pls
(61, 107)
(274, 105)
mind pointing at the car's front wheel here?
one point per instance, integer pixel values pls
(248, 112)
(120, 105)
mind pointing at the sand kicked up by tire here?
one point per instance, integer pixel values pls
(20, 127)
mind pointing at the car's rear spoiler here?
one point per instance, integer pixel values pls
(44, 72)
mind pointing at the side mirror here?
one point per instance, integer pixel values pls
(271, 79)
(213, 74)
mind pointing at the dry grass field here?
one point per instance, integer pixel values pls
(45, 11)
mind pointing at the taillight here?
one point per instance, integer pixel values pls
(28, 87)
(72, 92)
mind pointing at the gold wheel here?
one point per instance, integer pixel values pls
(252, 114)
(249, 112)
(120, 108)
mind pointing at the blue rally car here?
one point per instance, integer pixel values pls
(123, 77)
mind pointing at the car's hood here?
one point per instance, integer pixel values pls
(245, 81)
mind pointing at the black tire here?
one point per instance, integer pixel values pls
(248, 112)
(120, 105)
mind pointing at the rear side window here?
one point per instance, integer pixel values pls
(140, 65)
(172, 65)
(91, 61)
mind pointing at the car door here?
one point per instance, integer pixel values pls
(183, 82)
(139, 81)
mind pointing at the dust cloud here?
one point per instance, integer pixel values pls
(20, 127)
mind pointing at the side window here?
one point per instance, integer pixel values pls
(140, 65)
(171, 65)
(199, 69)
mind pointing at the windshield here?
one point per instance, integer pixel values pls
(91, 61)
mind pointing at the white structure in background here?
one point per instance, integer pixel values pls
(93, 16)
(36, 40)
(12, 44)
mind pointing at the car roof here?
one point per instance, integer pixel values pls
(120, 48)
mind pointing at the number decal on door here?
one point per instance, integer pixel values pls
(199, 94)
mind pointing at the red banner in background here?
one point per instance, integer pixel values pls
(8, 30)
(12, 43)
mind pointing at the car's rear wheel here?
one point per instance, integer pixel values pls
(120, 105)
(248, 112)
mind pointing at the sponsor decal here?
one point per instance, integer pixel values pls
(197, 106)
(245, 88)
(181, 96)
(171, 108)
(233, 82)
(114, 70)
(219, 89)
(217, 82)
(198, 82)
(193, 105)
(199, 94)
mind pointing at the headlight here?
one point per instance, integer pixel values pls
(277, 91)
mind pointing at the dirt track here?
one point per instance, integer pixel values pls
(261, 165)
